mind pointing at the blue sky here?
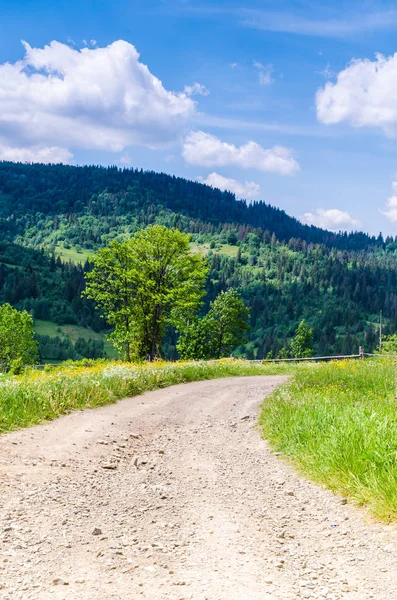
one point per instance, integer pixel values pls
(259, 97)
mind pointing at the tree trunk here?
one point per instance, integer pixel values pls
(127, 352)
(220, 344)
(155, 335)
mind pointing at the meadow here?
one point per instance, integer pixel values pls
(74, 332)
(337, 423)
(38, 396)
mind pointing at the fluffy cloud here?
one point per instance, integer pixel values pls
(332, 219)
(391, 204)
(391, 212)
(207, 150)
(42, 154)
(93, 98)
(249, 190)
(364, 94)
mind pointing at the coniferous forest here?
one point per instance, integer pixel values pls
(52, 217)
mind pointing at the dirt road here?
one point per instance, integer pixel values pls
(173, 495)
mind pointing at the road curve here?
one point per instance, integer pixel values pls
(174, 495)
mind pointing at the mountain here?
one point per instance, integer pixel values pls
(45, 191)
(52, 217)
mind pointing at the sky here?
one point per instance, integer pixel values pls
(291, 102)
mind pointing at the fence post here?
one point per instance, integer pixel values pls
(361, 351)
(395, 375)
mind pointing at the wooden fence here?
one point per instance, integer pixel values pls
(361, 354)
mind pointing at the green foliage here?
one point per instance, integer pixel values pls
(218, 332)
(338, 423)
(284, 353)
(389, 344)
(145, 284)
(17, 344)
(62, 348)
(36, 396)
(228, 317)
(196, 340)
(301, 344)
(283, 270)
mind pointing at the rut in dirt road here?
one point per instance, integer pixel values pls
(174, 495)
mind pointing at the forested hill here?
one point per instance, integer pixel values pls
(49, 190)
(52, 217)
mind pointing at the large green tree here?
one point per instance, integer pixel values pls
(144, 284)
(18, 346)
(219, 331)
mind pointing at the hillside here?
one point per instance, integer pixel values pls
(36, 200)
(52, 217)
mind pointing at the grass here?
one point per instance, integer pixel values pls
(38, 396)
(227, 249)
(338, 423)
(73, 332)
(80, 256)
(71, 254)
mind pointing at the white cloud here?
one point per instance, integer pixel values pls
(207, 150)
(391, 212)
(364, 94)
(233, 65)
(391, 205)
(126, 160)
(196, 89)
(265, 73)
(42, 154)
(333, 219)
(93, 98)
(323, 25)
(248, 190)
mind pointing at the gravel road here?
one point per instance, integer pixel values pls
(174, 495)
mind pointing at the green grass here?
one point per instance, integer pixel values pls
(338, 423)
(73, 332)
(219, 249)
(72, 254)
(38, 396)
(47, 328)
(228, 250)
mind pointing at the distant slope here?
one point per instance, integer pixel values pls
(73, 333)
(67, 190)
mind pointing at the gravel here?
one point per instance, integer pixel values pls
(198, 507)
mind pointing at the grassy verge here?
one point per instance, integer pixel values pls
(37, 396)
(338, 423)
